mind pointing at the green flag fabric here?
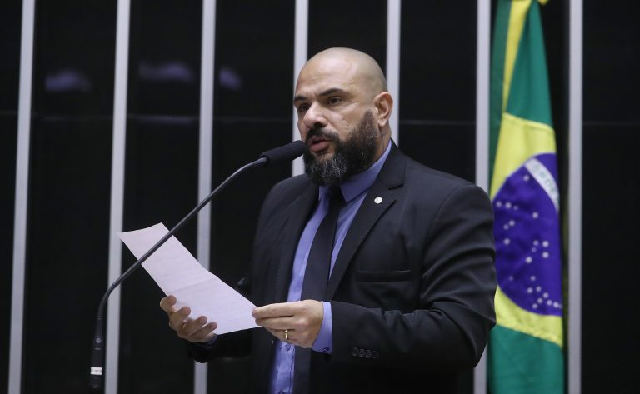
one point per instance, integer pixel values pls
(525, 348)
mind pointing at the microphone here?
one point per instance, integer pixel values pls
(285, 153)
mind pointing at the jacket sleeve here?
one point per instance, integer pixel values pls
(450, 327)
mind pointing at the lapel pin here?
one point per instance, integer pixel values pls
(377, 200)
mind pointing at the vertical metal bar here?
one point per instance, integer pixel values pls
(205, 156)
(483, 57)
(22, 192)
(482, 92)
(393, 61)
(117, 192)
(299, 59)
(574, 253)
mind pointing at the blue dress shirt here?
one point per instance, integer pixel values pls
(354, 190)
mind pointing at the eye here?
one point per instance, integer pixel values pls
(334, 100)
(302, 108)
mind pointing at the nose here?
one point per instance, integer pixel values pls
(314, 117)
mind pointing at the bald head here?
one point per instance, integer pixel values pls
(360, 66)
(343, 111)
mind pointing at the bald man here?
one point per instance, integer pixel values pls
(405, 301)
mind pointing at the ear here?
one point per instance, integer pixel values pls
(383, 104)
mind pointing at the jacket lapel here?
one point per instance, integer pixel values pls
(380, 197)
(294, 223)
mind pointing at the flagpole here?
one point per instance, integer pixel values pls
(574, 190)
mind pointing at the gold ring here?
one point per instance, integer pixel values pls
(286, 335)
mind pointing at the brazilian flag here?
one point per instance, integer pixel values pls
(525, 348)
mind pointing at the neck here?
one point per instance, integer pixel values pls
(384, 142)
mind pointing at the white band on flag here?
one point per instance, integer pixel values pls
(544, 177)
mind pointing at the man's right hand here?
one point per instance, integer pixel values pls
(193, 330)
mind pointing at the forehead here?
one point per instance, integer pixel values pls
(321, 74)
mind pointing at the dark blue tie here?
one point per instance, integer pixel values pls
(316, 276)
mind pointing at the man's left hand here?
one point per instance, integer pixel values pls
(294, 322)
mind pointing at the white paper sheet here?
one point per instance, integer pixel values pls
(178, 273)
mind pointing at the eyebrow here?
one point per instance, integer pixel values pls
(322, 94)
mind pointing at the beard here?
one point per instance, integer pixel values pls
(351, 157)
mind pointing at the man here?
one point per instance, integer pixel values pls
(408, 303)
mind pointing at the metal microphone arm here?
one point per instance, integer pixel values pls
(97, 356)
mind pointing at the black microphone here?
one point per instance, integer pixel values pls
(277, 155)
(283, 153)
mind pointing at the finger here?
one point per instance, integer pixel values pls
(177, 319)
(276, 333)
(275, 310)
(288, 336)
(276, 323)
(167, 303)
(192, 326)
(204, 334)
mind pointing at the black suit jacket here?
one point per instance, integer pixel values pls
(411, 291)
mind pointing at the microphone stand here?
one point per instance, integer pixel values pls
(98, 341)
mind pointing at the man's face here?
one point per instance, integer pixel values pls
(335, 120)
(349, 157)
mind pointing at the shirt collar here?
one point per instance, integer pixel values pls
(359, 183)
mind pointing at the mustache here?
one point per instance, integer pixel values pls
(320, 132)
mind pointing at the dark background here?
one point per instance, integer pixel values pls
(611, 198)
(70, 163)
